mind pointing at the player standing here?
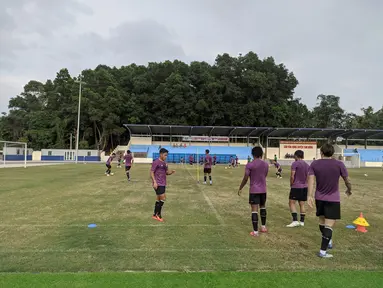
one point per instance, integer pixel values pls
(207, 167)
(158, 173)
(257, 170)
(191, 159)
(327, 172)
(278, 169)
(128, 163)
(214, 160)
(108, 164)
(298, 192)
(236, 161)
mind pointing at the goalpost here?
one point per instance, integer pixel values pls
(13, 152)
(351, 160)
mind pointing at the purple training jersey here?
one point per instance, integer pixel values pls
(301, 169)
(257, 171)
(160, 168)
(208, 162)
(110, 159)
(278, 166)
(128, 160)
(327, 173)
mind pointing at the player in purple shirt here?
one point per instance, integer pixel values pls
(108, 165)
(191, 159)
(128, 158)
(207, 167)
(278, 168)
(257, 170)
(327, 172)
(158, 173)
(298, 191)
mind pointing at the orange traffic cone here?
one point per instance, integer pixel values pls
(361, 223)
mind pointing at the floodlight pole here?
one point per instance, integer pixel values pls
(78, 117)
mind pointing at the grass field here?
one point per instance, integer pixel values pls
(45, 212)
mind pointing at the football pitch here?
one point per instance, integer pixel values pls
(45, 212)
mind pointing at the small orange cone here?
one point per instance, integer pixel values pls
(361, 223)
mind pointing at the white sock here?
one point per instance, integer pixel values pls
(322, 252)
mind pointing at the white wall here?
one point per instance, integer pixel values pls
(36, 156)
(141, 141)
(61, 152)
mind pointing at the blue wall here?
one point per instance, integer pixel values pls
(176, 157)
(80, 158)
(17, 157)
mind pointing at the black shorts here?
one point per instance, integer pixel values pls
(160, 190)
(280, 170)
(330, 210)
(207, 170)
(259, 199)
(127, 168)
(299, 194)
(108, 166)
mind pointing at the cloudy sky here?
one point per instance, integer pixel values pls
(332, 46)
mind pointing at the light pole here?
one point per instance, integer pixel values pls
(78, 116)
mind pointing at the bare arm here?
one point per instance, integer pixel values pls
(292, 177)
(243, 183)
(153, 178)
(311, 190)
(348, 185)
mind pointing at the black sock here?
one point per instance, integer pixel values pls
(254, 219)
(321, 228)
(204, 178)
(303, 217)
(263, 216)
(295, 216)
(326, 237)
(156, 208)
(128, 175)
(162, 202)
(210, 178)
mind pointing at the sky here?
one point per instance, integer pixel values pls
(333, 47)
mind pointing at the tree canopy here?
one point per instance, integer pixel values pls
(239, 91)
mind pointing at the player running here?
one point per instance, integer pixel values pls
(158, 173)
(207, 167)
(278, 169)
(298, 192)
(119, 159)
(214, 160)
(108, 165)
(257, 170)
(236, 161)
(128, 163)
(327, 172)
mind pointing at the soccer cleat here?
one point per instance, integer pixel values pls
(302, 223)
(159, 218)
(211, 182)
(293, 224)
(324, 255)
(111, 174)
(254, 234)
(204, 183)
(154, 217)
(107, 174)
(264, 229)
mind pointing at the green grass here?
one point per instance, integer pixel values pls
(197, 280)
(45, 212)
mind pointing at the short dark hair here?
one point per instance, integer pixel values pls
(300, 154)
(327, 150)
(163, 151)
(128, 152)
(114, 154)
(257, 152)
(207, 151)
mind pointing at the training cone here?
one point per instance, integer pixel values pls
(361, 223)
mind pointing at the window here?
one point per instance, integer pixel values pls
(89, 153)
(49, 153)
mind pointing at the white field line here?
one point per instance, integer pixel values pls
(173, 250)
(219, 218)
